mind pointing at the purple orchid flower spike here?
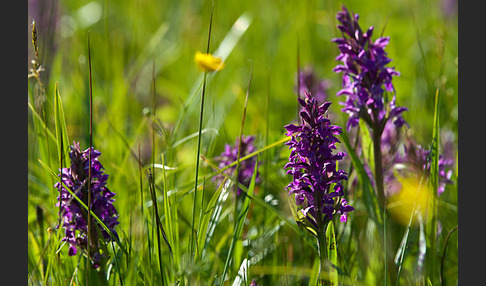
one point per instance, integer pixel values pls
(365, 75)
(316, 182)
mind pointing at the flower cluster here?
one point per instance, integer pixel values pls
(365, 75)
(309, 82)
(246, 168)
(74, 215)
(316, 180)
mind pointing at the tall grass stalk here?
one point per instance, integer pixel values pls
(89, 160)
(157, 224)
(431, 254)
(191, 247)
(442, 278)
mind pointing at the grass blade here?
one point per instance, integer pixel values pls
(167, 207)
(442, 278)
(213, 206)
(60, 124)
(431, 255)
(194, 135)
(160, 228)
(39, 122)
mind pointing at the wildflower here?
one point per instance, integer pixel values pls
(75, 217)
(253, 283)
(309, 82)
(365, 75)
(316, 180)
(246, 168)
(208, 62)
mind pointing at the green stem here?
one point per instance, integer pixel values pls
(389, 266)
(321, 244)
(378, 164)
(102, 276)
(321, 238)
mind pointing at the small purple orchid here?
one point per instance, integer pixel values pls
(246, 168)
(74, 216)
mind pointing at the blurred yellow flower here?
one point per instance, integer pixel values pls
(208, 62)
(401, 205)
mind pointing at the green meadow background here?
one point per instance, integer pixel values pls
(141, 50)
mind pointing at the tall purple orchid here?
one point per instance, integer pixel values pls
(365, 75)
(74, 216)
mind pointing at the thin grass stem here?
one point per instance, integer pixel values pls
(442, 280)
(157, 220)
(89, 165)
(191, 247)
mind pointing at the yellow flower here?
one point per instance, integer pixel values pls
(208, 62)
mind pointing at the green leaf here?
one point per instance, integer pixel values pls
(211, 215)
(332, 253)
(367, 145)
(39, 122)
(315, 272)
(300, 217)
